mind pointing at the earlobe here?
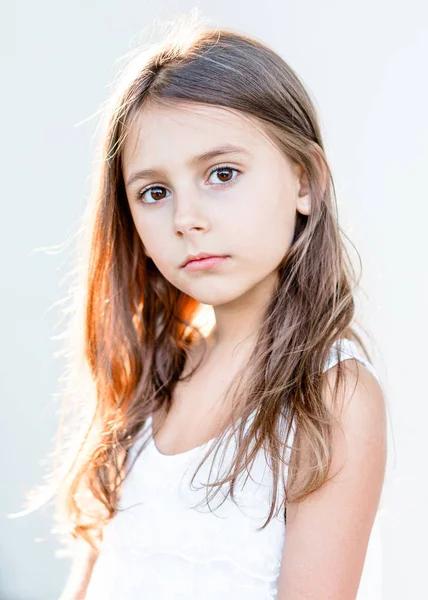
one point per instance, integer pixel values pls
(304, 196)
(304, 205)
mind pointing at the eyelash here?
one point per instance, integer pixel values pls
(213, 170)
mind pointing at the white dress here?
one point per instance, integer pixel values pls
(158, 546)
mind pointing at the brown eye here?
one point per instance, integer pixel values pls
(157, 194)
(224, 174)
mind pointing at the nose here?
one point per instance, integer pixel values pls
(189, 214)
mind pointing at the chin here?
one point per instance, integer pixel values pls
(214, 296)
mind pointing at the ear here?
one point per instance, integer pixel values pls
(304, 192)
(303, 205)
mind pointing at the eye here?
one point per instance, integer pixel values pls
(157, 192)
(224, 170)
(157, 197)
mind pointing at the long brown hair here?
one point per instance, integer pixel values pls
(130, 330)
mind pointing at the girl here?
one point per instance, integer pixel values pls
(243, 458)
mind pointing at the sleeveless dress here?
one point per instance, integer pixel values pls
(159, 546)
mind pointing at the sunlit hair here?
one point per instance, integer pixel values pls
(130, 330)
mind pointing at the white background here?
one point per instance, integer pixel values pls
(365, 65)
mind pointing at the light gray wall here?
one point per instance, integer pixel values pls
(365, 64)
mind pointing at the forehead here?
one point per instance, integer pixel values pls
(180, 129)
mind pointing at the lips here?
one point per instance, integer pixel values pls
(200, 256)
(205, 263)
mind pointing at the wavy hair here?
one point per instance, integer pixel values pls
(131, 330)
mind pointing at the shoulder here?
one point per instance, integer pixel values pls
(359, 431)
(328, 532)
(356, 398)
(359, 403)
(355, 401)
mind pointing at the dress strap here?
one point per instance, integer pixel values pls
(343, 349)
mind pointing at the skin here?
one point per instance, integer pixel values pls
(249, 215)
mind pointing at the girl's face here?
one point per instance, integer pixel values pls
(239, 201)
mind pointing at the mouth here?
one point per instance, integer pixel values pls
(204, 262)
(201, 255)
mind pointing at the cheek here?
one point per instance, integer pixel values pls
(283, 226)
(151, 237)
(265, 227)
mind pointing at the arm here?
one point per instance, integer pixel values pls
(328, 532)
(83, 562)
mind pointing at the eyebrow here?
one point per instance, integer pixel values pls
(195, 161)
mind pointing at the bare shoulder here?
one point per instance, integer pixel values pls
(360, 385)
(328, 532)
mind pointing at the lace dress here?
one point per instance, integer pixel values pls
(160, 546)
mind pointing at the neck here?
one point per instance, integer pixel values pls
(237, 323)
